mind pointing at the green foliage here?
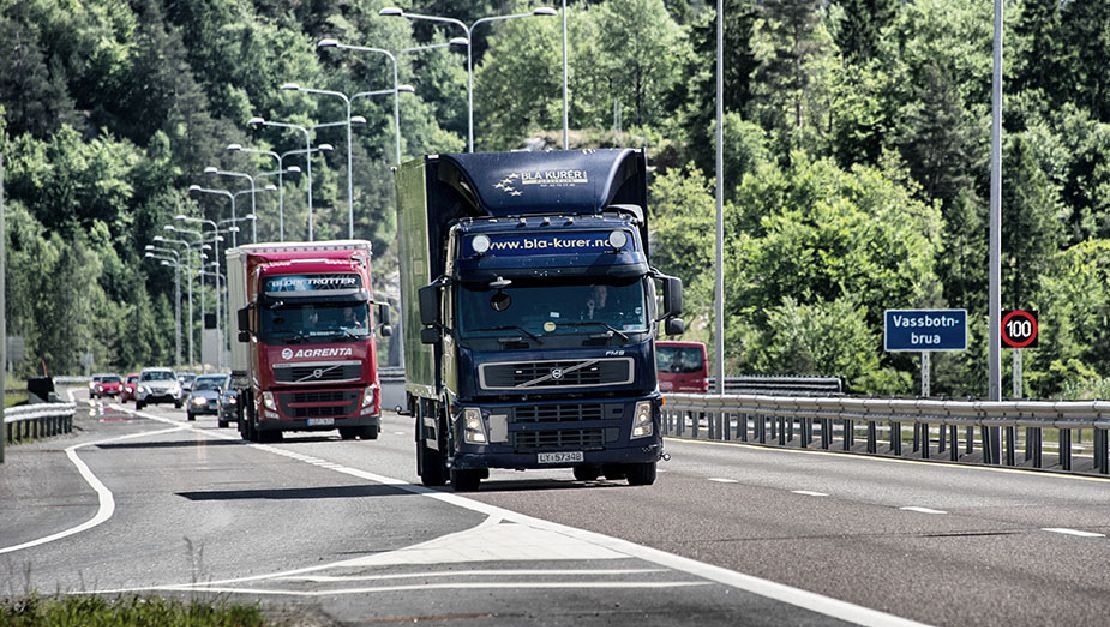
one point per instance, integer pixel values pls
(124, 611)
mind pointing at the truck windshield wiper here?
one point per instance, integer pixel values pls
(512, 327)
(612, 330)
(296, 338)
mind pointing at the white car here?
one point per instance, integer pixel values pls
(158, 385)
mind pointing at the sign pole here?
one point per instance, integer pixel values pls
(1018, 391)
(926, 374)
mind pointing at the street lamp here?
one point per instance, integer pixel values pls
(174, 261)
(397, 86)
(219, 172)
(350, 156)
(280, 172)
(216, 239)
(192, 254)
(222, 192)
(467, 41)
(260, 122)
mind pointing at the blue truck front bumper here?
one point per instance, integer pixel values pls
(557, 434)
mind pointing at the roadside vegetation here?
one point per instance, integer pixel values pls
(856, 159)
(125, 611)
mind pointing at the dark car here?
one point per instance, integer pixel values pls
(130, 388)
(229, 407)
(186, 380)
(206, 396)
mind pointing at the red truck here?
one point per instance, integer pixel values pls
(682, 367)
(305, 359)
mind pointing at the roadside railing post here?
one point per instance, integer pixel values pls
(1065, 449)
(954, 448)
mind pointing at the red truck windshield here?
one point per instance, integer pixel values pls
(306, 322)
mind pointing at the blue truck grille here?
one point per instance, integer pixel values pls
(573, 439)
(556, 374)
(569, 412)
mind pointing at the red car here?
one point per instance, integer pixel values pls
(130, 387)
(109, 385)
(682, 367)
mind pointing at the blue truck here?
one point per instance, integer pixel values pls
(530, 312)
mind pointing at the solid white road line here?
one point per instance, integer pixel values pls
(1074, 532)
(479, 573)
(719, 480)
(922, 510)
(809, 493)
(812, 601)
(506, 585)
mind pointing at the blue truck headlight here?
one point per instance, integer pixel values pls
(617, 239)
(474, 432)
(642, 423)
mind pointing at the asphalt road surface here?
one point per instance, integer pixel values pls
(730, 534)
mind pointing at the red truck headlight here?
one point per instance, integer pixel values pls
(368, 396)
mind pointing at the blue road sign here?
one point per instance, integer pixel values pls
(921, 330)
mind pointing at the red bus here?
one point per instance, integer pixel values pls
(682, 367)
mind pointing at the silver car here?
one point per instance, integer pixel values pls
(205, 395)
(158, 385)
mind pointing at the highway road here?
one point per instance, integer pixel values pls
(729, 535)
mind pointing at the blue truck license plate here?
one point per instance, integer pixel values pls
(562, 457)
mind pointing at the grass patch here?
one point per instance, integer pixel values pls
(124, 611)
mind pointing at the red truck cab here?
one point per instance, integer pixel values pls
(682, 366)
(306, 357)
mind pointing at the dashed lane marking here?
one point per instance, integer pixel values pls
(720, 480)
(1074, 532)
(922, 510)
(809, 493)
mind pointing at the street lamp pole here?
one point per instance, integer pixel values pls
(253, 190)
(719, 283)
(280, 172)
(175, 261)
(222, 192)
(467, 41)
(307, 159)
(397, 87)
(566, 97)
(995, 324)
(216, 242)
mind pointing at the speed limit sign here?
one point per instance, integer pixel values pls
(1019, 328)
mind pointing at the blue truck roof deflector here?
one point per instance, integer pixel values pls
(573, 182)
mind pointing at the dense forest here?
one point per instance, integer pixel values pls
(856, 151)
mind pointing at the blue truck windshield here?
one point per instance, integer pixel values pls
(313, 322)
(539, 310)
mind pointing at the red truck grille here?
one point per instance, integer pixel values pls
(316, 404)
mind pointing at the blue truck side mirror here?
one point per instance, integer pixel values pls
(672, 297)
(675, 326)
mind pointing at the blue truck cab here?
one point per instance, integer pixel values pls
(529, 314)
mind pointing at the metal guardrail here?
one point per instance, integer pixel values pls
(71, 379)
(776, 420)
(779, 385)
(36, 421)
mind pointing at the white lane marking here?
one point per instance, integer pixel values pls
(398, 433)
(507, 585)
(478, 573)
(1074, 532)
(107, 502)
(797, 597)
(809, 493)
(922, 510)
(720, 480)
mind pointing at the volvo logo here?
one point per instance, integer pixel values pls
(556, 373)
(287, 353)
(317, 373)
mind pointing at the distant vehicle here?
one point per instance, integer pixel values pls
(108, 385)
(204, 398)
(186, 380)
(96, 378)
(229, 407)
(682, 367)
(158, 385)
(129, 390)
